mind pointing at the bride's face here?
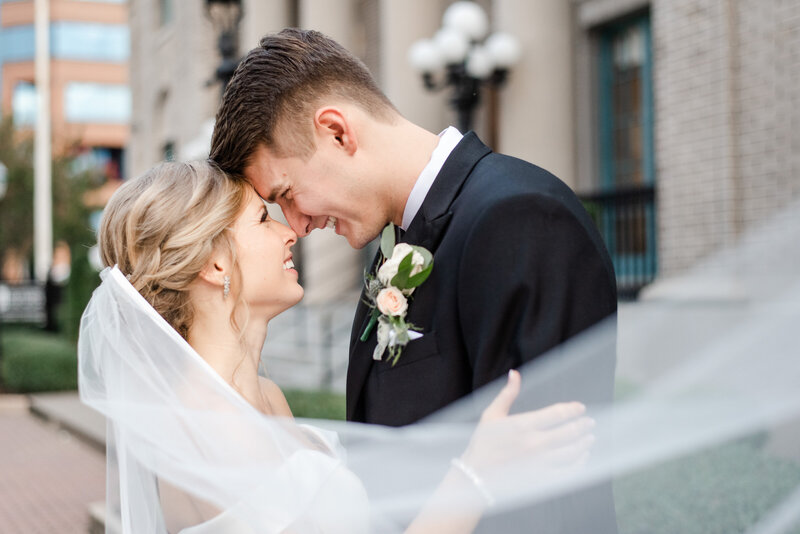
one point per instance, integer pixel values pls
(263, 249)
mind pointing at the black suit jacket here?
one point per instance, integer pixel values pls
(519, 268)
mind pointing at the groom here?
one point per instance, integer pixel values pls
(518, 265)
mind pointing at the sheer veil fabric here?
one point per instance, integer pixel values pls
(697, 370)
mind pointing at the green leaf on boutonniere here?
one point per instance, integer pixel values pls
(387, 241)
(400, 280)
(420, 277)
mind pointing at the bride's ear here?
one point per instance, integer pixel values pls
(333, 126)
(215, 271)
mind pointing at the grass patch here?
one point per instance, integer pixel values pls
(35, 361)
(316, 404)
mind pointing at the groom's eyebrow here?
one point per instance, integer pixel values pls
(274, 193)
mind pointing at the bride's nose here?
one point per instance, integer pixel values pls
(288, 235)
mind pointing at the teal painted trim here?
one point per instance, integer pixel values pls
(626, 264)
(648, 122)
(648, 114)
(605, 77)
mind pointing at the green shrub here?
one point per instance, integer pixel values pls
(316, 404)
(34, 361)
(82, 282)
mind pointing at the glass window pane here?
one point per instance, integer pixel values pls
(23, 104)
(95, 102)
(91, 42)
(17, 43)
(165, 10)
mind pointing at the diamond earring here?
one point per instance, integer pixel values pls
(226, 286)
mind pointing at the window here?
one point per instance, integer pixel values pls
(96, 102)
(23, 104)
(165, 12)
(169, 151)
(17, 43)
(90, 42)
(105, 161)
(625, 137)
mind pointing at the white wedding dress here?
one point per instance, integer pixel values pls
(323, 516)
(172, 418)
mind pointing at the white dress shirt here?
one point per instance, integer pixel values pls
(448, 140)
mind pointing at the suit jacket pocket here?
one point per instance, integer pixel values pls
(416, 350)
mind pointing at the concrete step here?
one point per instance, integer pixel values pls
(66, 409)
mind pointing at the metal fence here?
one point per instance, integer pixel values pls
(626, 218)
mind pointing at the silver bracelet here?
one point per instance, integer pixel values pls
(475, 479)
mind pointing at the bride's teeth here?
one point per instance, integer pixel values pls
(288, 264)
(331, 222)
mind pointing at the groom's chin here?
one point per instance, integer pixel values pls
(358, 245)
(359, 241)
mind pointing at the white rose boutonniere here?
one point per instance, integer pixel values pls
(403, 269)
(390, 267)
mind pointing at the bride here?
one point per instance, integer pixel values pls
(169, 351)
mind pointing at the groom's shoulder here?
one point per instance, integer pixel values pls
(498, 177)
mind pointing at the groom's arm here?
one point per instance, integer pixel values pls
(531, 276)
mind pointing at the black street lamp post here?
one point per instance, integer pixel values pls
(225, 16)
(468, 60)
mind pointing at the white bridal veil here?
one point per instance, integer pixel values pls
(698, 440)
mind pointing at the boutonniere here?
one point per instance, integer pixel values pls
(403, 268)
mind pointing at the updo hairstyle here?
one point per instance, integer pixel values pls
(162, 228)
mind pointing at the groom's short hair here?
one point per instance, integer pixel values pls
(272, 96)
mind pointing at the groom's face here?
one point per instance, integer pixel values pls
(316, 193)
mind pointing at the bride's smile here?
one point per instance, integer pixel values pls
(263, 252)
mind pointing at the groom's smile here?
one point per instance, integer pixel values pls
(321, 191)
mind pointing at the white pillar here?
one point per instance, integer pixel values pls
(403, 22)
(260, 18)
(334, 19)
(536, 109)
(330, 267)
(42, 161)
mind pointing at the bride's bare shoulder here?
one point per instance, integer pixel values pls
(275, 396)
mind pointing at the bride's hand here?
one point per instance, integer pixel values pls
(556, 437)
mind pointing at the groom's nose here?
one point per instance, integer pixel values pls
(299, 222)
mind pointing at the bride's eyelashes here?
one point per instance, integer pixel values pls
(264, 216)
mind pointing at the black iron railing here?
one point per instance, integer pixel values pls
(626, 218)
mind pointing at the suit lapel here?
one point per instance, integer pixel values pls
(426, 230)
(360, 362)
(428, 226)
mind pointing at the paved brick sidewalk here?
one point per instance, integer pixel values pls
(47, 477)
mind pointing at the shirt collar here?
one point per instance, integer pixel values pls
(448, 139)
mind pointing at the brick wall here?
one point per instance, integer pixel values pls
(726, 74)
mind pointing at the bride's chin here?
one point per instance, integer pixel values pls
(300, 294)
(285, 304)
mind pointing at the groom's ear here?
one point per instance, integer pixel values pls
(332, 125)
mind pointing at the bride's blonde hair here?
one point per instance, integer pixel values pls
(162, 227)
